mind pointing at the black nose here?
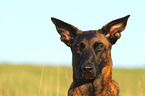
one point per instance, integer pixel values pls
(87, 67)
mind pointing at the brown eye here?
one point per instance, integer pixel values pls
(78, 48)
(99, 46)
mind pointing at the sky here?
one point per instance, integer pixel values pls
(27, 34)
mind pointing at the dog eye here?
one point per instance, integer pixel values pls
(80, 47)
(98, 46)
(77, 47)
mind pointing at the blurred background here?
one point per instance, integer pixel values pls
(30, 45)
(28, 35)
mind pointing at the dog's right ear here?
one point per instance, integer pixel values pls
(67, 31)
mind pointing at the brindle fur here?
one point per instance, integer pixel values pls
(91, 57)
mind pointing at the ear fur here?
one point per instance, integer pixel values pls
(113, 29)
(67, 31)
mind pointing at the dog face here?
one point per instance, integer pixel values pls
(90, 49)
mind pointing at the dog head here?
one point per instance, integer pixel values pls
(90, 49)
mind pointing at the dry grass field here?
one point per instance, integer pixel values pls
(30, 80)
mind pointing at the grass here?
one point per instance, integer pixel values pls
(30, 80)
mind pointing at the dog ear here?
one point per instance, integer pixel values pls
(67, 31)
(112, 29)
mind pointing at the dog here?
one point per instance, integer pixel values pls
(91, 57)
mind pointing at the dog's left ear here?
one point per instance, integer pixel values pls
(112, 29)
(67, 31)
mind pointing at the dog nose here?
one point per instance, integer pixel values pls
(87, 67)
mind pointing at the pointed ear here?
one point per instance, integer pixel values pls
(113, 29)
(67, 31)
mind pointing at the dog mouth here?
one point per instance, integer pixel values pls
(88, 76)
(87, 72)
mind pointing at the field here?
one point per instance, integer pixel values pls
(30, 80)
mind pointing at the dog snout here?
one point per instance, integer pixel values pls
(87, 67)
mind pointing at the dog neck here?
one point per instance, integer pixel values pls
(98, 86)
